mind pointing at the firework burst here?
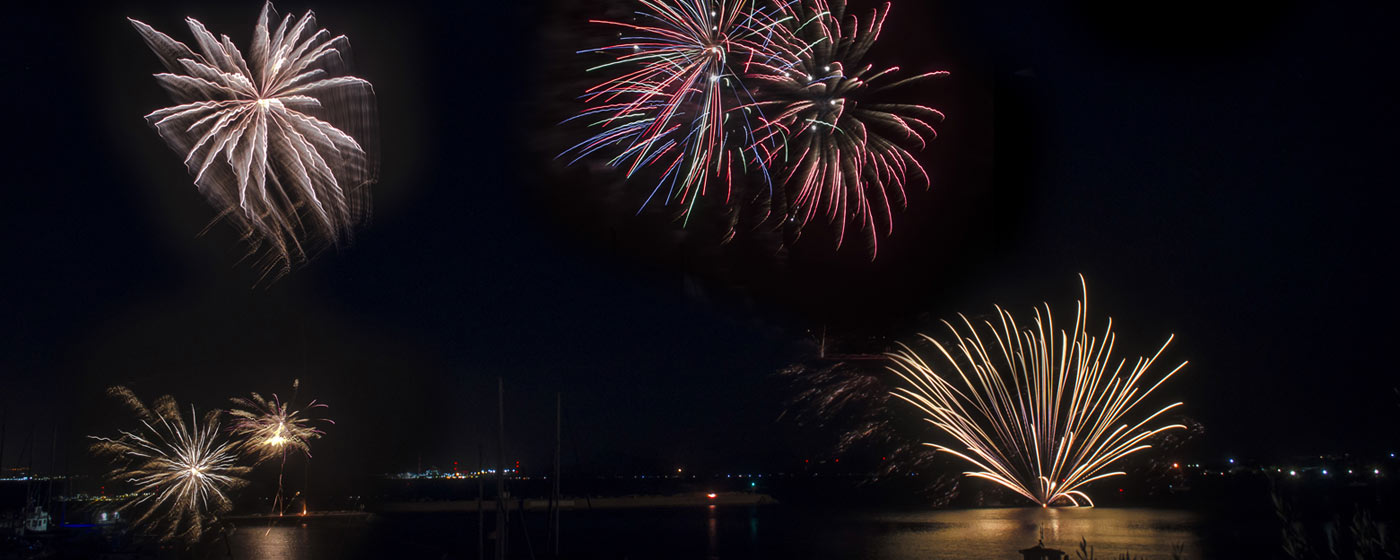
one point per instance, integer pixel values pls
(1040, 414)
(680, 103)
(277, 142)
(841, 154)
(269, 428)
(182, 473)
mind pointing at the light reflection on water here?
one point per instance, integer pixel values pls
(997, 533)
(272, 543)
(712, 532)
(743, 533)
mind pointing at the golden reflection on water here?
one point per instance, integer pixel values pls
(999, 533)
(749, 533)
(273, 543)
(712, 533)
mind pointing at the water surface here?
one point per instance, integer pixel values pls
(775, 532)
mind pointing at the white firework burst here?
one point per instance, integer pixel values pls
(281, 143)
(1038, 412)
(181, 473)
(269, 428)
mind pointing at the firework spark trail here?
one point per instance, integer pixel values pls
(280, 143)
(269, 428)
(182, 473)
(843, 155)
(1037, 415)
(680, 103)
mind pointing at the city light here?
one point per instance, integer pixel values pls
(434, 474)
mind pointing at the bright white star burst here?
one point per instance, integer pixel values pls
(181, 472)
(280, 143)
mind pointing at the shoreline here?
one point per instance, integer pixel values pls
(576, 503)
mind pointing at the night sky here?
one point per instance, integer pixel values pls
(1227, 176)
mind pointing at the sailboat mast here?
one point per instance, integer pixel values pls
(480, 496)
(53, 464)
(501, 468)
(4, 420)
(554, 496)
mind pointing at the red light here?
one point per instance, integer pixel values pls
(711, 495)
(838, 460)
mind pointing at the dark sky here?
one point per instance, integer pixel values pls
(1223, 175)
